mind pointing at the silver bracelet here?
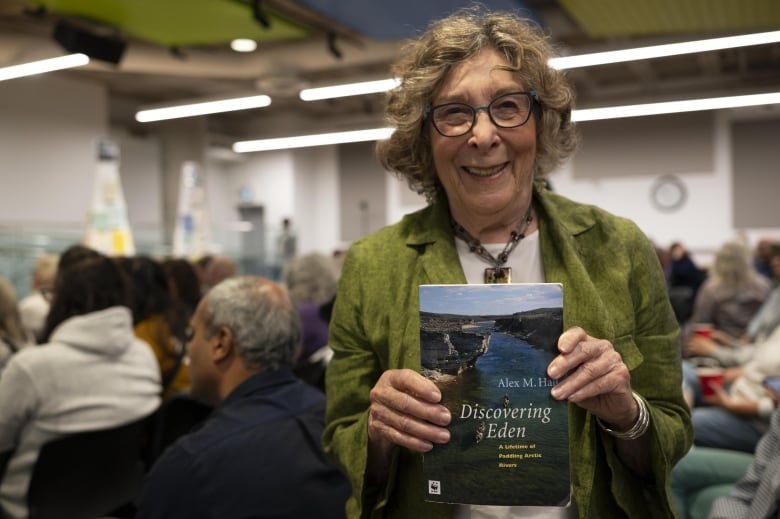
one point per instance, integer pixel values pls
(638, 429)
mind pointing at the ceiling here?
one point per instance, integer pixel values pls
(178, 50)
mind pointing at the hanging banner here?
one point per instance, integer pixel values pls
(107, 226)
(192, 232)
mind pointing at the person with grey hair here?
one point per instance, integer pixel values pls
(259, 453)
(311, 280)
(480, 119)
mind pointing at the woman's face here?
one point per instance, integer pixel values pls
(488, 172)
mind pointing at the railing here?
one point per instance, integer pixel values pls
(21, 244)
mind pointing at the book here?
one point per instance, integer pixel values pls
(487, 348)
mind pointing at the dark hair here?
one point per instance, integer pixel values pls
(149, 287)
(185, 282)
(74, 254)
(185, 293)
(88, 285)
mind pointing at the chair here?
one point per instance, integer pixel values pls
(177, 416)
(90, 474)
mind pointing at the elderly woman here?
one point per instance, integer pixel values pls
(480, 120)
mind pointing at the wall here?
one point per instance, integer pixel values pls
(49, 129)
(619, 161)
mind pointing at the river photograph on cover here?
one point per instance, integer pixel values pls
(487, 348)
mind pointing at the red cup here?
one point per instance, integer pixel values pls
(703, 330)
(709, 378)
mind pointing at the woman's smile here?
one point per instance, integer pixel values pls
(483, 171)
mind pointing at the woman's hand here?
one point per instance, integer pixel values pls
(405, 411)
(719, 397)
(698, 346)
(730, 375)
(594, 376)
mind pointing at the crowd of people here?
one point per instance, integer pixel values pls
(318, 407)
(733, 331)
(111, 340)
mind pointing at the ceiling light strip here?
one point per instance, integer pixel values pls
(44, 65)
(350, 89)
(590, 114)
(305, 141)
(671, 107)
(202, 108)
(659, 51)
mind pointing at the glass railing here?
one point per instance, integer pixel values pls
(21, 244)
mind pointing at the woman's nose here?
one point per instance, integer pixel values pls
(484, 132)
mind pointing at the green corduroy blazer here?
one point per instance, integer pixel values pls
(613, 288)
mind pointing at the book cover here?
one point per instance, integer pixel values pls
(487, 348)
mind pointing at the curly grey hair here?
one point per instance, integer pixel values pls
(424, 64)
(264, 322)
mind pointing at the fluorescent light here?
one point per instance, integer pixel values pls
(567, 62)
(590, 114)
(44, 65)
(304, 141)
(243, 45)
(351, 89)
(202, 108)
(671, 107)
(658, 51)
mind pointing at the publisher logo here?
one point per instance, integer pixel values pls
(434, 487)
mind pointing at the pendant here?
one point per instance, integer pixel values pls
(498, 275)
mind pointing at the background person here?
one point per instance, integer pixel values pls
(35, 305)
(13, 335)
(480, 120)
(92, 373)
(311, 282)
(259, 453)
(153, 314)
(733, 292)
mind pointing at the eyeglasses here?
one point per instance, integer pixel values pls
(507, 111)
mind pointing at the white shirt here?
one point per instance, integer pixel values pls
(526, 264)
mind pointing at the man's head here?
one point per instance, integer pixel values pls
(244, 325)
(218, 269)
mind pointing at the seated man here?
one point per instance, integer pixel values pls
(259, 454)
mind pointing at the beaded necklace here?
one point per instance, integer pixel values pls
(497, 273)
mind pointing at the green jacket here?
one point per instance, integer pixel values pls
(613, 288)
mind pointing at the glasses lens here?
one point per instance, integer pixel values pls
(510, 110)
(453, 119)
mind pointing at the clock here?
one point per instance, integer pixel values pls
(668, 193)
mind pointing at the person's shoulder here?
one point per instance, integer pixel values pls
(33, 301)
(388, 243)
(582, 216)
(407, 225)
(32, 365)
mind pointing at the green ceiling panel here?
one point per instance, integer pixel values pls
(173, 23)
(609, 18)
